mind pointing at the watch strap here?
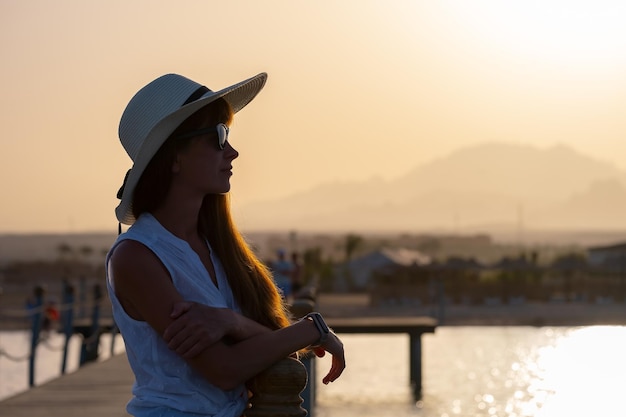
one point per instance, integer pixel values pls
(321, 326)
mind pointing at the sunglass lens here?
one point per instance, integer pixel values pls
(222, 135)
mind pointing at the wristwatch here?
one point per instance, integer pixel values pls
(321, 326)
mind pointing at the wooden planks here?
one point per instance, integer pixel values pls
(99, 389)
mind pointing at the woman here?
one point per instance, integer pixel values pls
(199, 313)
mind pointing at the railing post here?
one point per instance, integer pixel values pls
(36, 307)
(67, 320)
(89, 349)
(276, 391)
(300, 308)
(415, 364)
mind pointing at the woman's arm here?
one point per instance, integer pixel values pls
(233, 364)
(144, 287)
(142, 284)
(184, 336)
(195, 326)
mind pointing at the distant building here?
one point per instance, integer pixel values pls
(611, 258)
(360, 270)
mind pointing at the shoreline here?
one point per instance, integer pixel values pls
(521, 314)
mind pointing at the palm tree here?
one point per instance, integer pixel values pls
(64, 250)
(85, 252)
(353, 242)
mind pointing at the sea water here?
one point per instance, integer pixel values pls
(483, 371)
(467, 371)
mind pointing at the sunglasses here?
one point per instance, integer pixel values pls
(221, 130)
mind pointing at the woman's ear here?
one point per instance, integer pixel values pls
(176, 165)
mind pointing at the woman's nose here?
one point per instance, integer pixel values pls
(230, 151)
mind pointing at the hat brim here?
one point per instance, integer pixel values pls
(237, 95)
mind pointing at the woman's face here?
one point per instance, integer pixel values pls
(203, 167)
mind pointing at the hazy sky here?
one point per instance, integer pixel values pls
(356, 89)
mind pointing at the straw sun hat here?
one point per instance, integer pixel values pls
(156, 111)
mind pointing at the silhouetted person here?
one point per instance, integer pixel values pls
(283, 270)
(199, 313)
(296, 274)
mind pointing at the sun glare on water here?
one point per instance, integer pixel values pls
(581, 371)
(483, 371)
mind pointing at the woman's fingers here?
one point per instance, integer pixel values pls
(336, 369)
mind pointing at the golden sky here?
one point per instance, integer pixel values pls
(356, 89)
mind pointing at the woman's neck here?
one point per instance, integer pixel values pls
(179, 219)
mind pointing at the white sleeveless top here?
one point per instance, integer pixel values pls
(165, 385)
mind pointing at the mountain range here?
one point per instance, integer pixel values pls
(552, 195)
(481, 188)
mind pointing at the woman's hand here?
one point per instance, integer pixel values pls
(196, 327)
(333, 346)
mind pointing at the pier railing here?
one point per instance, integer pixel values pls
(44, 318)
(276, 391)
(286, 389)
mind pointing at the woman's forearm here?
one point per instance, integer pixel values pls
(245, 328)
(197, 327)
(228, 365)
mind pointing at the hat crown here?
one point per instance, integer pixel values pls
(150, 105)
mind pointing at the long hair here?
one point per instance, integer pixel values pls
(250, 280)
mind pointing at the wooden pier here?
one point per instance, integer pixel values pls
(413, 326)
(97, 389)
(102, 388)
